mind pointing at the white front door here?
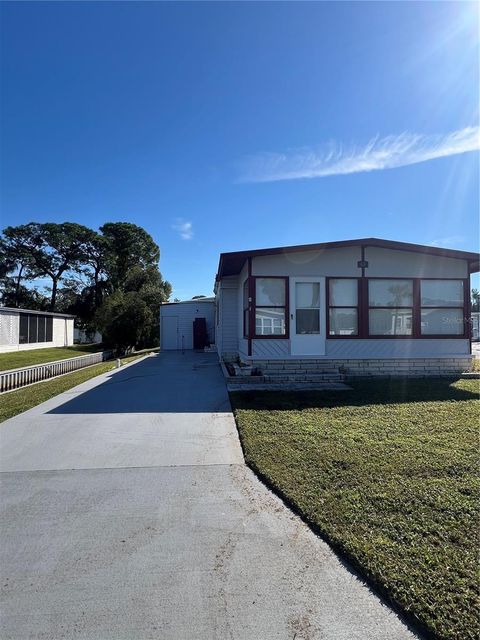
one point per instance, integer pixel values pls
(307, 316)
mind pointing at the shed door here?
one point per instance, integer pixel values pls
(169, 332)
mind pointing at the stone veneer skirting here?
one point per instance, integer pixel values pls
(387, 367)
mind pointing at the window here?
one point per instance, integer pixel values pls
(343, 306)
(307, 304)
(390, 307)
(35, 328)
(246, 310)
(270, 306)
(442, 307)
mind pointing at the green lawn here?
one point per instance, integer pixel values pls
(17, 359)
(14, 402)
(388, 474)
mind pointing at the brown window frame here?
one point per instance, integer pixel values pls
(246, 309)
(363, 308)
(286, 307)
(329, 306)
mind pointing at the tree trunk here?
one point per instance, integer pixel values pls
(53, 299)
(17, 287)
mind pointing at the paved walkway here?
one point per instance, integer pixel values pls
(128, 514)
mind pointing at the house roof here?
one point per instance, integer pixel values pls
(231, 264)
(35, 311)
(190, 301)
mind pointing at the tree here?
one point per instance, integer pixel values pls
(475, 300)
(19, 247)
(198, 297)
(125, 321)
(128, 246)
(63, 249)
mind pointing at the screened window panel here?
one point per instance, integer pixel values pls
(390, 293)
(441, 293)
(445, 322)
(307, 321)
(343, 322)
(270, 292)
(343, 292)
(49, 329)
(23, 333)
(307, 295)
(269, 322)
(390, 322)
(32, 328)
(41, 328)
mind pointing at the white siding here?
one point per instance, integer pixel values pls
(228, 310)
(186, 313)
(271, 348)
(407, 264)
(334, 262)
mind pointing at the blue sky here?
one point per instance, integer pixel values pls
(229, 126)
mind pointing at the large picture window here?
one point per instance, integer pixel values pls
(343, 307)
(390, 307)
(270, 307)
(34, 327)
(442, 310)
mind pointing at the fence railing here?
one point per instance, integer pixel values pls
(17, 378)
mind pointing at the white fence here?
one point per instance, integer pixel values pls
(17, 378)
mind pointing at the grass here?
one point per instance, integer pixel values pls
(16, 359)
(388, 474)
(15, 402)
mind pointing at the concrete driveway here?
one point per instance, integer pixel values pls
(128, 514)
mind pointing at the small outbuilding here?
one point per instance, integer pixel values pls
(189, 324)
(22, 329)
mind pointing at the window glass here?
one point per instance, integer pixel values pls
(307, 321)
(390, 293)
(270, 292)
(442, 322)
(307, 295)
(269, 322)
(23, 336)
(390, 322)
(441, 293)
(343, 293)
(49, 329)
(32, 328)
(41, 328)
(343, 322)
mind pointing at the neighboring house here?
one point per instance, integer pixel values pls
(366, 306)
(177, 322)
(81, 336)
(22, 329)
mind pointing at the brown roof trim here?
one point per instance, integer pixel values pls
(232, 263)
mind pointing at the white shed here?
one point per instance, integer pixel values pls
(22, 329)
(176, 322)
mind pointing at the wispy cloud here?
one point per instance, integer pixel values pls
(379, 153)
(184, 228)
(448, 241)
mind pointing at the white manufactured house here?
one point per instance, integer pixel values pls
(177, 320)
(365, 307)
(22, 329)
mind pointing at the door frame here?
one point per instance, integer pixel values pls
(310, 344)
